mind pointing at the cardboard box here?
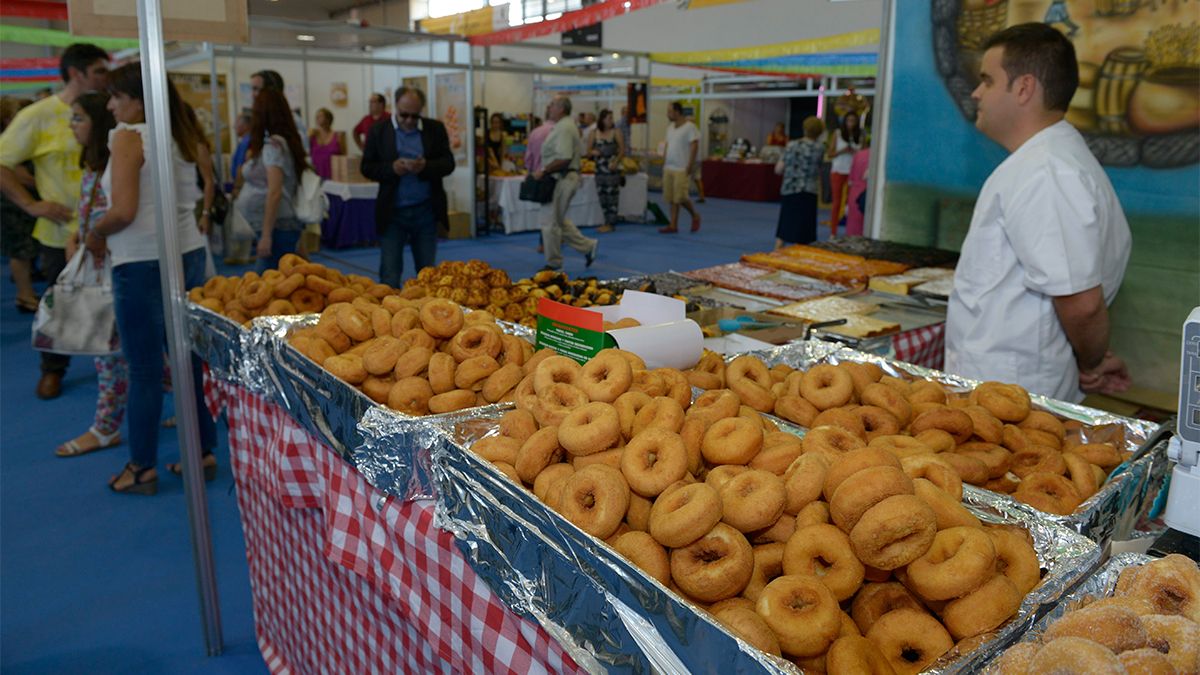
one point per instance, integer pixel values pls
(345, 169)
(460, 225)
(664, 338)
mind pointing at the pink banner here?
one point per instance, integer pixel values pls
(569, 21)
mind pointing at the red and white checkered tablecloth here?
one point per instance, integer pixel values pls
(348, 580)
(925, 346)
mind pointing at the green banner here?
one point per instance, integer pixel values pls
(59, 38)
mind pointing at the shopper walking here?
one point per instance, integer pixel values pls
(561, 153)
(857, 187)
(533, 159)
(376, 112)
(679, 162)
(16, 227)
(270, 79)
(270, 178)
(800, 167)
(408, 158)
(606, 147)
(41, 133)
(326, 144)
(129, 233)
(1048, 244)
(840, 152)
(237, 251)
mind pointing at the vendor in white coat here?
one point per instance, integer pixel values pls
(1048, 241)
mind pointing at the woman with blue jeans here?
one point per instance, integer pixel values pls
(129, 233)
(270, 177)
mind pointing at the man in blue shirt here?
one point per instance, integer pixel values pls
(241, 127)
(408, 158)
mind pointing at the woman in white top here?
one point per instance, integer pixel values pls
(129, 233)
(840, 152)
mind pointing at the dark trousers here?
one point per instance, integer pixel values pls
(53, 260)
(412, 226)
(283, 242)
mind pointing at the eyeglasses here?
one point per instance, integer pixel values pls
(408, 116)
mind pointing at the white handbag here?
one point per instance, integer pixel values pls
(75, 315)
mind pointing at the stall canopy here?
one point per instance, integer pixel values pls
(819, 57)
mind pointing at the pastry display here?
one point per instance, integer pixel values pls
(826, 265)
(765, 282)
(855, 312)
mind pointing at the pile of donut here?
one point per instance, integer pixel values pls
(991, 437)
(475, 284)
(417, 356)
(836, 555)
(296, 287)
(1151, 624)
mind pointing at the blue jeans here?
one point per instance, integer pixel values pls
(411, 225)
(283, 242)
(137, 300)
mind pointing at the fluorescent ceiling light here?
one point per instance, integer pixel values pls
(553, 16)
(306, 38)
(616, 55)
(591, 59)
(554, 60)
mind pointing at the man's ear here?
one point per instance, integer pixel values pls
(1027, 88)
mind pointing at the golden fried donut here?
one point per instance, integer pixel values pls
(876, 599)
(960, 560)
(285, 287)
(346, 367)
(986, 426)
(955, 422)
(537, 452)
(1075, 656)
(970, 469)
(378, 388)
(1103, 455)
(939, 440)
(1038, 458)
(1015, 557)
(589, 428)
(289, 261)
(1048, 492)
(803, 481)
(628, 405)
(518, 424)
(776, 456)
(380, 358)
(677, 386)
(827, 386)
(381, 322)
(863, 490)
(410, 395)
(768, 566)
(830, 441)
(850, 463)
(719, 475)
(498, 385)
(780, 531)
(341, 295)
(749, 378)
(514, 350)
(452, 400)
(749, 626)
(1081, 473)
(684, 515)
(605, 377)
(752, 500)
(475, 340)
(610, 458)
(660, 413)
(1171, 584)
(497, 449)
(843, 418)
(876, 421)
(637, 517)
(556, 402)
(900, 446)
(440, 370)
(646, 554)
(856, 654)
(648, 382)
(319, 284)
(936, 471)
(863, 374)
(214, 288)
(473, 372)
(714, 405)
(714, 567)
(595, 499)
(413, 362)
(887, 398)
(823, 552)
(1008, 402)
(441, 318)
(948, 511)
(1181, 638)
(796, 409)
(1117, 628)
(813, 514)
(1146, 661)
(315, 348)
(802, 612)
(555, 370)
(909, 639)
(894, 532)
(996, 458)
(983, 609)
(652, 460)
(1040, 420)
(405, 319)
(732, 440)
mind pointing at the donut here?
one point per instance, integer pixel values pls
(1006, 484)
(1040, 420)
(876, 421)
(1147, 661)
(1048, 492)
(684, 515)
(900, 446)
(610, 458)
(1180, 637)
(746, 624)
(751, 500)
(414, 361)
(538, 452)
(635, 362)
(768, 565)
(1117, 628)
(648, 382)
(715, 405)
(498, 384)
(960, 560)
(862, 374)
(803, 614)
(732, 440)
(287, 286)
(936, 471)
(813, 514)
(475, 340)
(518, 424)
(595, 499)
(628, 405)
(497, 449)
(677, 386)
(996, 458)
(652, 460)
(876, 599)
(341, 295)
(1103, 455)
(556, 402)
(827, 386)
(955, 422)
(986, 426)
(1015, 661)
(1075, 656)
(777, 456)
(451, 401)
(983, 609)
(863, 490)
(830, 441)
(970, 469)
(714, 567)
(660, 413)
(850, 463)
(1038, 458)
(803, 482)
(256, 294)
(513, 350)
(823, 552)
(1008, 402)
(405, 319)
(606, 377)
(473, 372)
(442, 319)
(909, 639)
(1171, 584)
(380, 358)
(1013, 438)
(1045, 438)
(555, 370)
(893, 532)
(552, 476)
(856, 654)
(939, 440)
(410, 395)
(947, 511)
(925, 391)
(378, 388)
(588, 429)
(646, 554)
(536, 359)
(796, 409)
(780, 531)
(747, 377)
(887, 398)
(346, 367)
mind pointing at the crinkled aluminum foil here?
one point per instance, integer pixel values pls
(1099, 585)
(611, 617)
(217, 340)
(1112, 513)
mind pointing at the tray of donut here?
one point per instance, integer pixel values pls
(651, 531)
(1136, 614)
(1089, 470)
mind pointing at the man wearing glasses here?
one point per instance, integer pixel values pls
(408, 158)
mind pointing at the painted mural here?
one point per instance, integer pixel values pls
(1138, 101)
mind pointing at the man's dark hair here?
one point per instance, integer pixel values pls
(677, 107)
(411, 90)
(1043, 52)
(271, 80)
(565, 102)
(79, 56)
(378, 97)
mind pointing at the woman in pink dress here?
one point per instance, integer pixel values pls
(324, 143)
(858, 185)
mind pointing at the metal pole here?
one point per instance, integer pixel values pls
(304, 79)
(158, 118)
(470, 111)
(218, 115)
(649, 89)
(883, 109)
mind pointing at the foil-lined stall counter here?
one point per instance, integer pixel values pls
(219, 342)
(612, 617)
(1114, 512)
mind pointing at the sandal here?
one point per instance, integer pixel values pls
(27, 306)
(131, 480)
(208, 461)
(72, 448)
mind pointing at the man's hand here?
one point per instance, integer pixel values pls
(537, 175)
(96, 245)
(1110, 377)
(400, 167)
(416, 165)
(52, 210)
(264, 246)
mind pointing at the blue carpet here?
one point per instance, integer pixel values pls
(103, 583)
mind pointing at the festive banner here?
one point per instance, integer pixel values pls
(476, 22)
(577, 19)
(59, 38)
(824, 44)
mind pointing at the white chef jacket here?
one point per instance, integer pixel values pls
(1047, 224)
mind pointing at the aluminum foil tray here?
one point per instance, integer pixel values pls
(217, 340)
(1114, 512)
(611, 617)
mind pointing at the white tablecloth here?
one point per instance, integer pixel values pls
(585, 211)
(350, 190)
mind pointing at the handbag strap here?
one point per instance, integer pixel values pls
(86, 214)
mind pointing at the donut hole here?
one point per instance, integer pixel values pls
(800, 602)
(911, 654)
(707, 556)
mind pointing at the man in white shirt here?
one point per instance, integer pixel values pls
(561, 152)
(1048, 242)
(679, 160)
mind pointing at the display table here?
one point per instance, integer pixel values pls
(924, 346)
(348, 580)
(584, 211)
(748, 181)
(351, 220)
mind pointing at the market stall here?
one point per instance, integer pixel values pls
(584, 211)
(351, 219)
(746, 180)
